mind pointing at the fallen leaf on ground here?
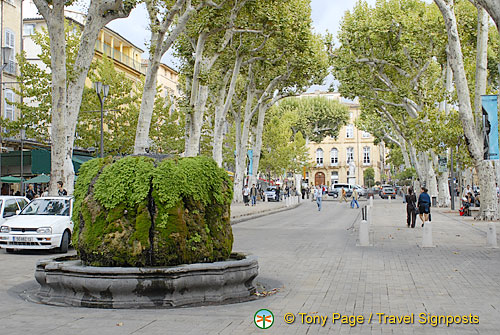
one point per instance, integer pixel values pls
(266, 293)
(119, 324)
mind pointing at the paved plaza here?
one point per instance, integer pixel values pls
(311, 258)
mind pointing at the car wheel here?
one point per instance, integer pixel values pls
(9, 250)
(64, 243)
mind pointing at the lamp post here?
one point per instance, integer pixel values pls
(102, 92)
(22, 133)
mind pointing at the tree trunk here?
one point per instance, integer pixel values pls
(147, 104)
(239, 161)
(196, 123)
(481, 64)
(442, 185)
(257, 148)
(493, 8)
(221, 112)
(489, 203)
(61, 148)
(242, 144)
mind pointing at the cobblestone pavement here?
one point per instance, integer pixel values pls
(313, 259)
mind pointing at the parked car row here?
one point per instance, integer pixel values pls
(44, 223)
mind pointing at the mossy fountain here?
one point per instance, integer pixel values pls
(149, 234)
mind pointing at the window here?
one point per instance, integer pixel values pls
(22, 203)
(366, 134)
(9, 40)
(335, 177)
(350, 155)
(10, 208)
(319, 157)
(28, 29)
(366, 156)
(9, 108)
(350, 115)
(334, 157)
(349, 132)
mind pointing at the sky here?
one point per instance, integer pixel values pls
(326, 15)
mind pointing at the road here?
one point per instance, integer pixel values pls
(312, 259)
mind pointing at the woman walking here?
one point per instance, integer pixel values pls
(424, 205)
(411, 208)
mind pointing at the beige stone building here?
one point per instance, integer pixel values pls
(10, 26)
(334, 160)
(167, 79)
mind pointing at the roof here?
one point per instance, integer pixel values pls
(75, 21)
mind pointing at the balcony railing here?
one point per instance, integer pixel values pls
(117, 55)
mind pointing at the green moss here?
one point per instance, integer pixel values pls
(136, 214)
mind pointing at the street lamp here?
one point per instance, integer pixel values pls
(22, 133)
(102, 92)
(7, 54)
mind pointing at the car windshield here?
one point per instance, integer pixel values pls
(271, 189)
(47, 207)
(387, 190)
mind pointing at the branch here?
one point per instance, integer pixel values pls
(44, 9)
(374, 61)
(179, 27)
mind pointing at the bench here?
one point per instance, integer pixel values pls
(468, 211)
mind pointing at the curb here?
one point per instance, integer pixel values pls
(261, 214)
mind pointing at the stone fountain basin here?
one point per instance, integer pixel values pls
(65, 281)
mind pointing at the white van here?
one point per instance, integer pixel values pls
(335, 189)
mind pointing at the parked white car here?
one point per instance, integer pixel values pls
(10, 206)
(45, 223)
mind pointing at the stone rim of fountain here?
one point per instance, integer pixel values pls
(65, 281)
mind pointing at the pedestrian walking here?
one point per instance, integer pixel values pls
(303, 191)
(343, 195)
(319, 197)
(246, 195)
(354, 198)
(411, 208)
(60, 190)
(30, 193)
(277, 192)
(424, 205)
(253, 195)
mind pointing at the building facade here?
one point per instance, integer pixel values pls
(344, 160)
(11, 42)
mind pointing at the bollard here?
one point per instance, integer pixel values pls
(390, 199)
(364, 238)
(371, 200)
(369, 216)
(492, 235)
(265, 198)
(427, 236)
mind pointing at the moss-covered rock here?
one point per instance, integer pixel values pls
(136, 211)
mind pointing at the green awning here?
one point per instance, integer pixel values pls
(41, 179)
(10, 179)
(40, 161)
(78, 160)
